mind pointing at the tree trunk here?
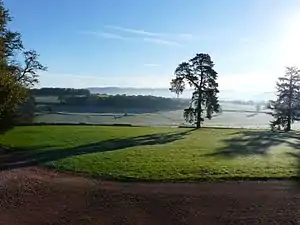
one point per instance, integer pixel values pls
(288, 128)
(198, 124)
(199, 108)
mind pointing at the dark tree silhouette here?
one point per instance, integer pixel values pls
(27, 74)
(287, 105)
(198, 72)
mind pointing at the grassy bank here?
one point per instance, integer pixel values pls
(159, 153)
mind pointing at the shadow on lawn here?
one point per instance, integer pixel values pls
(246, 143)
(24, 157)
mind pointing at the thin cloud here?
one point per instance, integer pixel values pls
(176, 36)
(146, 36)
(188, 37)
(106, 35)
(151, 65)
(162, 41)
(134, 31)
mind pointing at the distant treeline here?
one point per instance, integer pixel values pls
(124, 101)
(83, 98)
(60, 92)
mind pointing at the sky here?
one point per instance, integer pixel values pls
(139, 43)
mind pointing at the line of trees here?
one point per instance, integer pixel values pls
(59, 92)
(120, 102)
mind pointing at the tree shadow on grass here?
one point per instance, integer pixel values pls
(246, 143)
(24, 156)
(251, 143)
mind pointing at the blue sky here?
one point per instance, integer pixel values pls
(139, 43)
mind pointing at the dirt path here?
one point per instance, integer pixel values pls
(37, 196)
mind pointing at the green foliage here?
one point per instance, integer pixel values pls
(15, 76)
(286, 108)
(150, 153)
(25, 112)
(198, 72)
(11, 94)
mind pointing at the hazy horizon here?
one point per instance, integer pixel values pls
(164, 92)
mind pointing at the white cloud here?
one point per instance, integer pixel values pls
(187, 37)
(105, 35)
(160, 38)
(133, 31)
(177, 36)
(168, 39)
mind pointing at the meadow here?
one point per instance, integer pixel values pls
(250, 120)
(234, 115)
(158, 153)
(154, 148)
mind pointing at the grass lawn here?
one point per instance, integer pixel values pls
(148, 153)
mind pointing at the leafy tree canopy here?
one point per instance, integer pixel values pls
(16, 75)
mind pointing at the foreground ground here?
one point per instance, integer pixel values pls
(31, 194)
(147, 153)
(35, 196)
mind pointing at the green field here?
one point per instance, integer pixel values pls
(244, 117)
(233, 116)
(167, 118)
(149, 153)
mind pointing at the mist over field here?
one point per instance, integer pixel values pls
(145, 107)
(165, 92)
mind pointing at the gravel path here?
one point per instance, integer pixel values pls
(35, 195)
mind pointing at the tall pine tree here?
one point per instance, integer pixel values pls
(198, 72)
(286, 108)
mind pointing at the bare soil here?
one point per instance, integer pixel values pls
(35, 195)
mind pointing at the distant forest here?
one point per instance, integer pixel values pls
(83, 98)
(68, 95)
(59, 92)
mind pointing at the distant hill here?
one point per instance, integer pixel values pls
(164, 92)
